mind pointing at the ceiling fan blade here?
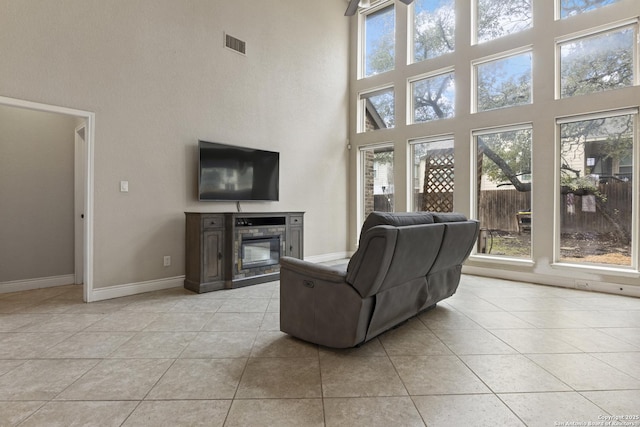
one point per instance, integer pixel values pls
(407, 1)
(352, 8)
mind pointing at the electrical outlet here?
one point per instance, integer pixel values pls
(167, 260)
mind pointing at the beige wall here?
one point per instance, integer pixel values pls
(158, 78)
(36, 194)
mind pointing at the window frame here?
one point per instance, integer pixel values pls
(475, 22)
(411, 48)
(410, 102)
(362, 106)
(361, 178)
(411, 153)
(362, 37)
(543, 111)
(493, 58)
(635, 203)
(475, 182)
(558, 10)
(591, 32)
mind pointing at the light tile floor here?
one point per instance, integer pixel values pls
(497, 353)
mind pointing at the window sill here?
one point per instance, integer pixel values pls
(600, 269)
(501, 260)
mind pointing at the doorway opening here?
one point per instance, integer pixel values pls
(83, 187)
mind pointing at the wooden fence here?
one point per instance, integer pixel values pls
(617, 201)
(498, 209)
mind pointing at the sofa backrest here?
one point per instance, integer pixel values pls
(458, 240)
(396, 219)
(389, 256)
(398, 247)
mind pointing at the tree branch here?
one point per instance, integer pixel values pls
(504, 167)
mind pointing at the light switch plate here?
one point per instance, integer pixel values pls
(124, 186)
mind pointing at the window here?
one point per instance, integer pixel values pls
(379, 41)
(376, 181)
(432, 174)
(504, 82)
(598, 62)
(596, 190)
(498, 18)
(434, 24)
(377, 110)
(503, 197)
(499, 84)
(574, 7)
(433, 98)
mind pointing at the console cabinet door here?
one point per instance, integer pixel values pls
(212, 242)
(295, 242)
(295, 236)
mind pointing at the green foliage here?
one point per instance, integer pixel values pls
(579, 184)
(497, 18)
(380, 50)
(597, 63)
(434, 33)
(383, 56)
(514, 148)
(505, 82)
(433, 98)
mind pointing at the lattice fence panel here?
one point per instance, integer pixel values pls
(438, 183)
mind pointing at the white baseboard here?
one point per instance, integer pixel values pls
(329, 257)
(42, 282)
(129, 289)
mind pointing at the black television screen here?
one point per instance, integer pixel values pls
(228, 172)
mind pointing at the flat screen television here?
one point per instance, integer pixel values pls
(232, 173)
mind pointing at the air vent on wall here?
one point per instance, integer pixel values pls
(235, 44)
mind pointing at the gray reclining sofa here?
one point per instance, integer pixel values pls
(405, 264)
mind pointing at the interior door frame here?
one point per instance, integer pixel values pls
(78, 200)
(87, 182)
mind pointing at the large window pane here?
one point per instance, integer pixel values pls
(498, 18)
(434, 25)
(379, 41)
(504, 193)
(378, 110)
(574, 7)
(504, 82)
(596, 173)
(432, 175)
(433, 98)
(377, 180)
(597, 63)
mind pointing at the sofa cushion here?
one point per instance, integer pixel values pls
(448, 217)
(457, 235)
(396, 219)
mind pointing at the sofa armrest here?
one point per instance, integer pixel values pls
(313, 271)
